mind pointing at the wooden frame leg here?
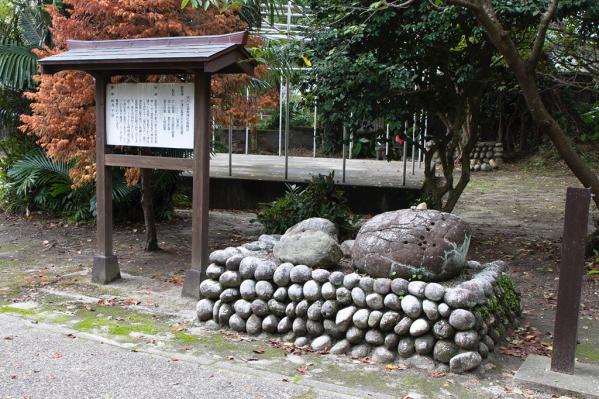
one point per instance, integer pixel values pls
(201, 183)
(105, 267)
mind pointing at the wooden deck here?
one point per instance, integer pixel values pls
(359, 172)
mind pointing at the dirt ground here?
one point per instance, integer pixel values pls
(516, 215)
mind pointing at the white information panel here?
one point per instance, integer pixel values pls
(150, 115)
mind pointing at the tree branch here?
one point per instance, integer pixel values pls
(472, 5)
(541, 33)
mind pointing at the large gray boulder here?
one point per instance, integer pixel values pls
(311, 247)
(314, 224)
(430, 244)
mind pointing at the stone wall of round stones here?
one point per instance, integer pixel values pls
(486, 156)
(385, 319)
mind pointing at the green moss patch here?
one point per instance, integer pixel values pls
(12, 309)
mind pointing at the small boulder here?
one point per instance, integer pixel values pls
(311, 248)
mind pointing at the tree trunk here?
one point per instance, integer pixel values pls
(525, 73)
(147, 204)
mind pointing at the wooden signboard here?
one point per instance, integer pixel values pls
(165, 115)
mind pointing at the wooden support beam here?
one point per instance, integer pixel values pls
(105, 267)
(570, 279)
(201, 183)
(148, 162)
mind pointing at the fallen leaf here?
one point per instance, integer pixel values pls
(259, 351)
(56, 355)
(8, 338)
(301, 370)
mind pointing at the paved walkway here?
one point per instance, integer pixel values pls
(47, 361)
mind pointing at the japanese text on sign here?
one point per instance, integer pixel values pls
(150, 115)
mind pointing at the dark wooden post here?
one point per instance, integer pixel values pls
(570, 279)
(201, 183)
(106, 267)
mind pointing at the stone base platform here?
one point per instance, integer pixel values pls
(535, 373)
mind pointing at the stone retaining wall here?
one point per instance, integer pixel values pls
(456, 323)
(486, 156)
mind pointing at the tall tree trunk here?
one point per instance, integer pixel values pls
(147, 204)
(525, 72)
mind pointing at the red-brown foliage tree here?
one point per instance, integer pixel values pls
(63, 112)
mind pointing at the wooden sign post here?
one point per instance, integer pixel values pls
(570, 279)
(145, 121)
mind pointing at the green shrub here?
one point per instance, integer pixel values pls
(319, 199)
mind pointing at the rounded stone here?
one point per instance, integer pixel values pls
(280, 294)
(213, 271)
(403, 327)
(424, 345)
(229, 295)
(374, 337)
(405, 347)
(382, 355)
(360, 318)
(247, 267)
(290, 310)
(459, 298)
(233, 262)
(329, 309)
(215, 310)
(237, 323)
(410, 241)
(328, 291)
(411, 306)
(315, 311)
(382, 286)
(220, 256)
(351, 280)
(389, 321)
(360, 351)
(434, 292)
(301, 309)
(301, 342)
(466, 340)
(343, 296)
(483, 350)
(442, 329)
(392, 302)
(284, 325)
(444, 310)
(462, 319)
(366, 284)
(417, 288)
(374, 301)
(259, 308)
(444, 350)
(224, 314)
(300, 274)
(355, 335)
(210, 289)
(295, 292)
(247, 289)
(320, 275)
(332, 329)
(265, 270)
(277, 308)
(419, 327)
(315, 224)
(374, 318)
(281, 275)
(341, 347)
(344, 316)
(358, 297)
(299, 327)
(430, 310)
(321, 343)
(264, 290)
(204, 309)
(270, 323)
(314, 328)
(466, 361)
(311, 290)
(336, 278)
(243, 308)
(312, 248)
(399, 286)
(391, 341)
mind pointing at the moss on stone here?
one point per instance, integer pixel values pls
(12, 309)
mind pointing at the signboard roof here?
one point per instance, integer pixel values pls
(213, 54)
